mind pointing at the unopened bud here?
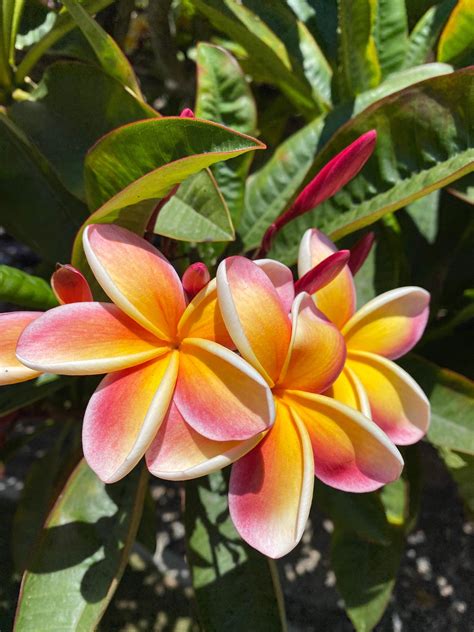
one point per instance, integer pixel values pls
(195, 278)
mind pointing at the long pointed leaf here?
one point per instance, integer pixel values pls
(81, 554)
(133, 167)
(359, 64)
(425, 33)
(35, 206)
(391, 34)
(108, 53)
(425, 137)
(235, 587)
(73, 106)
(223, 96)
(26, 290)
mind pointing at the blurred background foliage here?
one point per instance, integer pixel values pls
(306, 77)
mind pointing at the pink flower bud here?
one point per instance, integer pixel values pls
(70, 285)
(360, 251)
(195, 278)
(336, 174)
(323, 273)
(187, 113)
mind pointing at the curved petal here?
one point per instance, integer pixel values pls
(351, 453)
(86, 339)
(337, 300)
(70, 285)
(390, 324)
(397, 403)
(271, 488)
(254, 315)
(12, 325)
(348, 390)
(282, 278)
(317, 349)
(219, 394)
(203, 318)
(136, 277)
(179, 453)
(124, 414)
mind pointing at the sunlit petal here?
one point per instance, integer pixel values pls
(180, 453)
(271, 488)
(254, 315)
(203, 319)
(337, 300)
(12, 325)
(317, 350)
(390, 324)
(219, 394)
(124, 415)
(86, 339)
(348, 390)
(351, 453)
(136, 277)
(397, 403)
(281, 277)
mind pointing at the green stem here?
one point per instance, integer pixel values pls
(63, 26)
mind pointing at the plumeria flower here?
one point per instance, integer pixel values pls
(69, 286)
(299, 355)
(384, 329)
(156, 350)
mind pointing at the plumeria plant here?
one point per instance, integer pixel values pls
(231, 302)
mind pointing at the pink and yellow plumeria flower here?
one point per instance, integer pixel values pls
(299, 355)
(69, 286)
(384, 329)
(156, 349)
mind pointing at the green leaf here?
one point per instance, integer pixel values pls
(452, 404)
(235, 586)
(300, 49)
(81, 553)
(26, 290)
(134, 166)
(359, 67)
(363, 512)
(264, 46)
(424, 35)
(41, 483)
(196, 212)
(270, 190)
(461, 468)
(12, 11)
(456, 43)
(393, 497)
(144, 160)
(365, 573)
(74, 105)
(108, 52)
(36, 208)
(391, 34)
(320, 16)
(16, 396)
(63, 25)
(398, 81)
(223, 96)
(424, 142)
(382, 270)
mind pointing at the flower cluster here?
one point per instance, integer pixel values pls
(282, 378)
